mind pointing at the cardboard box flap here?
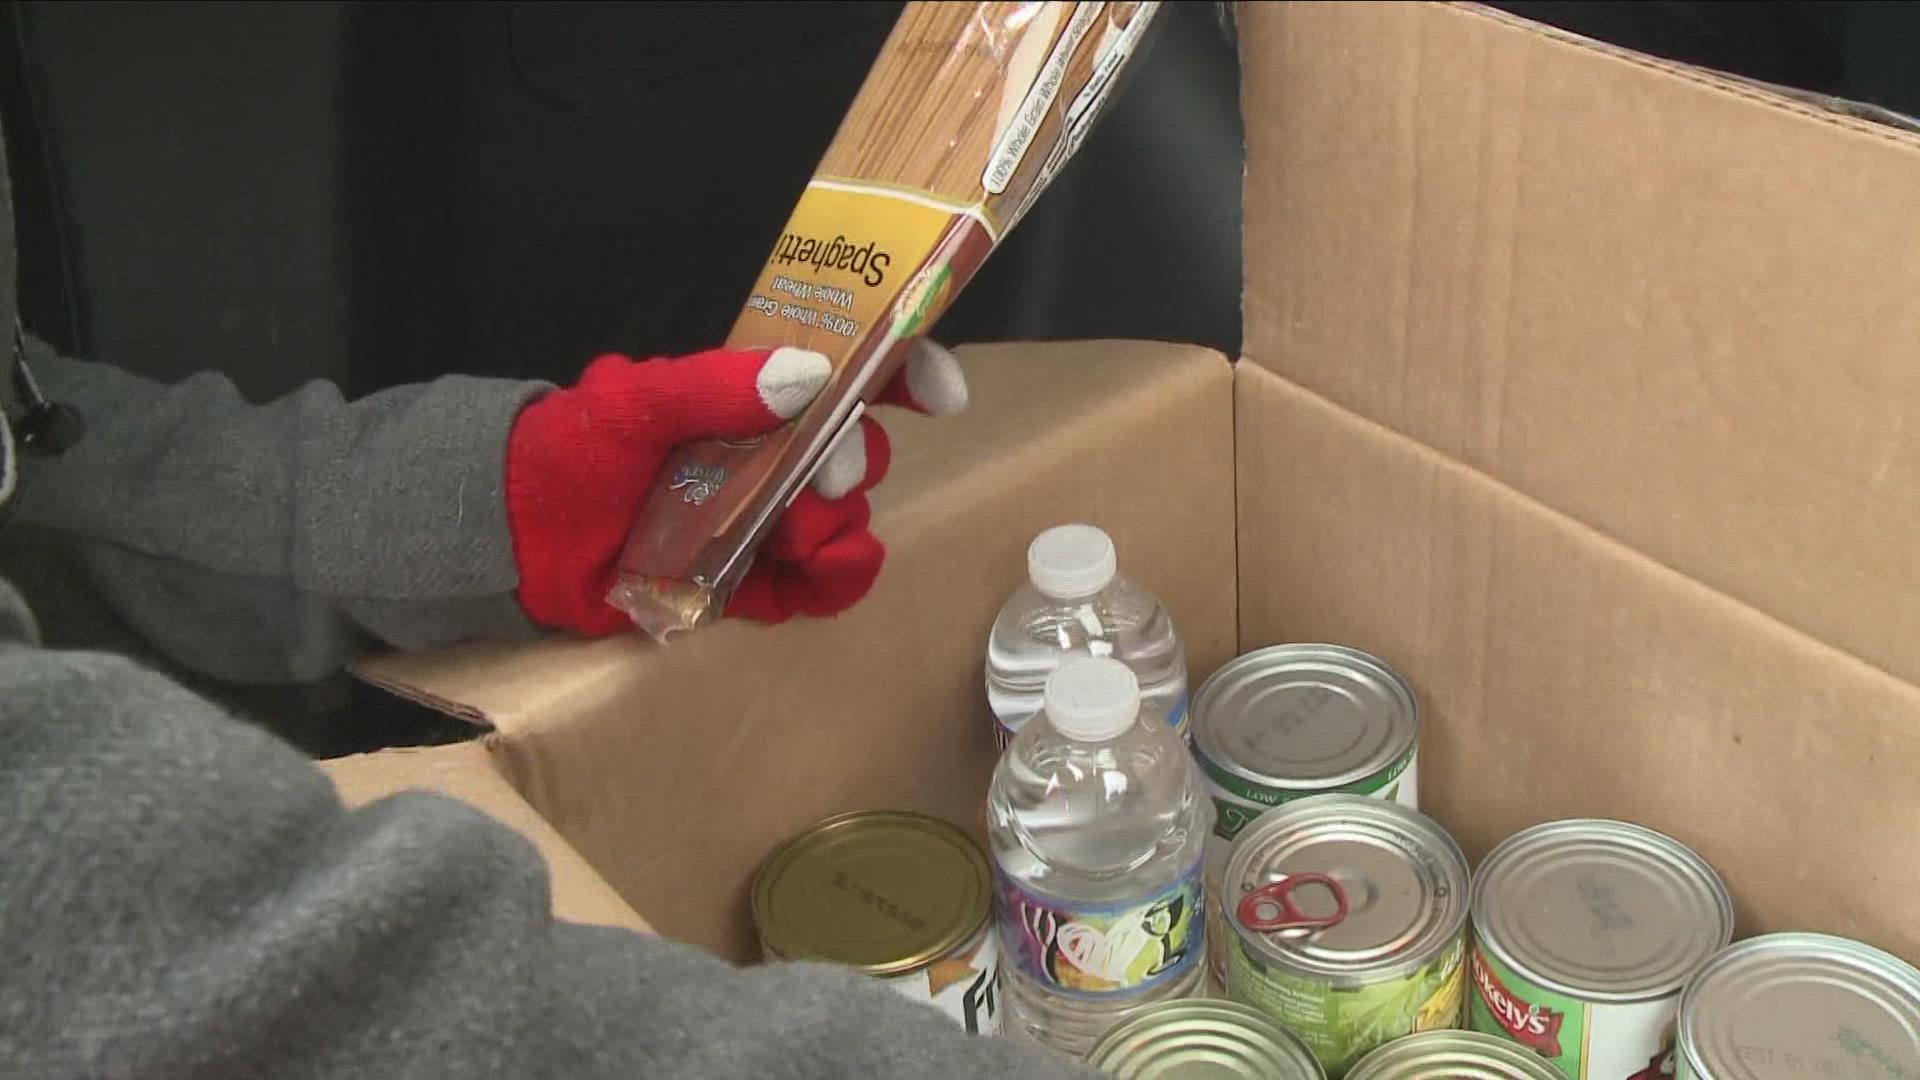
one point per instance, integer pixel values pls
(1826, 103)
(675, 770)
(1562, 674)
(500, 686)
(1671, 305)
(466, 772)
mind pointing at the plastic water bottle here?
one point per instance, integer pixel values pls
(1097, 817)
(1076, 602)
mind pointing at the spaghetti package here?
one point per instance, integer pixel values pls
(969, 112)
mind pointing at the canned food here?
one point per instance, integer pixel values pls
(1790, 1005)
(900, 896)
(1349, 918)
(1456, 1055)
(1289, 721)
(1584, 933)
(1199, 1037)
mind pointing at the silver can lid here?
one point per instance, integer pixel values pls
(1456, 1055)
(1788, 1005)
(1305, 717)
(1202, 1039)
(1602, 911)
(1404, 879)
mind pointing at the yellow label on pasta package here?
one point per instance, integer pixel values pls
(851, 258)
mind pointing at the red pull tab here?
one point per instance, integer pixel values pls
(1271, 907)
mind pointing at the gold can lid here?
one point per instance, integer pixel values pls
(881, 891)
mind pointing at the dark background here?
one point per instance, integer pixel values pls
(377, 193)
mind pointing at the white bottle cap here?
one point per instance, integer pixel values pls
(1068, 562)
(1092, 698)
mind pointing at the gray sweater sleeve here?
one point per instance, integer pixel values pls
(184, 897)
(267, 543)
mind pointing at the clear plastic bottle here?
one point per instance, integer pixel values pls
(1075, 601)
(1097, 818)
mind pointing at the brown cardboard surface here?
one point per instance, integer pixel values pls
(1598, 428)
(1563, 675)
(1673, 306)
(676, 770)
(466, 771)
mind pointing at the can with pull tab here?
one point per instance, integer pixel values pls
(1290, 721)
(1348, 916)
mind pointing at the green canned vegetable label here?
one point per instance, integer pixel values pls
(1342, 1024)
(1237, 800)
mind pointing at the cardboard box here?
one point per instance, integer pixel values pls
(675, 770)
(466, 772)
(1580, 386)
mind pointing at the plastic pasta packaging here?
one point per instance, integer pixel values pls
(967, 115)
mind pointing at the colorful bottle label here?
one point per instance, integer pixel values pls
(1177, 719)
(1101, 951)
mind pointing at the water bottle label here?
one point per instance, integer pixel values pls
(1178, 715)
(1094, 951)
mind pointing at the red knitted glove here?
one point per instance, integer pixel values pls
(580, 462)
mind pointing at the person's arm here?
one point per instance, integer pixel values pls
(269, 542)
(185, 896)
(263, 543)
